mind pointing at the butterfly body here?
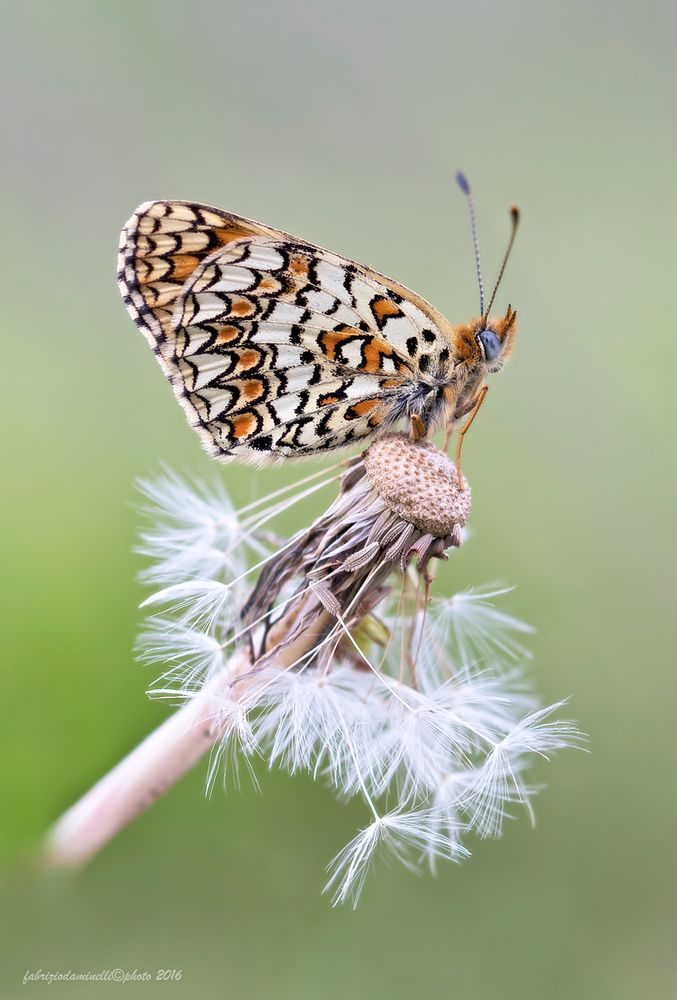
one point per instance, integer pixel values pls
(279, 349)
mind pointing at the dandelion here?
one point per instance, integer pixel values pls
(325, 653)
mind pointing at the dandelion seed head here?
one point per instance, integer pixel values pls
(345, 669)
(419, 483)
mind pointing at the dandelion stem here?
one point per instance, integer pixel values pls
(145, 774)
(155, 765)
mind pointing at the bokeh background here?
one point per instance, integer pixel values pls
(344, 123)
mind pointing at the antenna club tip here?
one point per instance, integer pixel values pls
(515, 214)
(462, 182)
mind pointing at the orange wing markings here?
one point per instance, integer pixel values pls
(228, 234)
(383, 309)
(239, 306)
(298, 265)
(362, 408)
(329, 340)
(374, 349)
(228, 334)
(269, 285)
(183, 266)
(243, 424)
(248, 359)
(253, 390)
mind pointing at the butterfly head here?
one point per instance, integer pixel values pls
(481, 347)
(494, 339)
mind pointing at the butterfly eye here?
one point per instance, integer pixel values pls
(490, 343)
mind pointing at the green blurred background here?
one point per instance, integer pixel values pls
(344, 123)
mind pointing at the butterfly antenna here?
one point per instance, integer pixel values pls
(515, 217)
(462, 182)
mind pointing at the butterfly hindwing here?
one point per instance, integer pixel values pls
(275, 348)
(160, 247)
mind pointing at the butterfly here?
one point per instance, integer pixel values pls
(276, 348)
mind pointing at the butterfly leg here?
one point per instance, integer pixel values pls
(418, 428)
(466, 427)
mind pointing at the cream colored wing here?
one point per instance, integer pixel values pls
(277, 348)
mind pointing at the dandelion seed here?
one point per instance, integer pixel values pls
(236, 745)
(196, 532)
(499, 781)
(191, 654)
(300, 716)
(470, 629)
(406, 836)
(196, 602)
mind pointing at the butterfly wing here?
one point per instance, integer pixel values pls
(160, 247)
(275, 348)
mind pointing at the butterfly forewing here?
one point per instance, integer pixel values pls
(274, 347)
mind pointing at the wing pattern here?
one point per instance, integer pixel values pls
(160, 247)
(276, 348)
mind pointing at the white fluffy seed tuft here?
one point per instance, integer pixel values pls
(422, 711)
